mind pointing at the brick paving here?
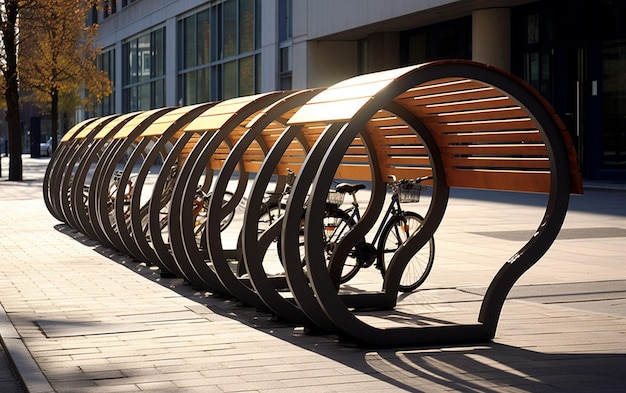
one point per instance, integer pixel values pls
(82, 318)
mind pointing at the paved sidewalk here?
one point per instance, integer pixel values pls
(77, 317)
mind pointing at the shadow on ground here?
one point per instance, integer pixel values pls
(485, 367)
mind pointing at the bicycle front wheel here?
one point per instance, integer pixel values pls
(396, 232)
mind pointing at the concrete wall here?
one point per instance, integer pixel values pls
(351, 14)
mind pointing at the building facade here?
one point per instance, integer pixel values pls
(182, 52)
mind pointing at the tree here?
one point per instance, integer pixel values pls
(9, 10)
(58, 56)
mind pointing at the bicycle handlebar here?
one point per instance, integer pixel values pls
(417, 180)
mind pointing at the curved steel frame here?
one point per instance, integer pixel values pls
(350, 113)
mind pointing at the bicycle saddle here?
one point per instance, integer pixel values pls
(349, 188)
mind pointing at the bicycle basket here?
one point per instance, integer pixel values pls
(335, 198)
(410, 193)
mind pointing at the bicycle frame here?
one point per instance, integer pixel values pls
(394, 209)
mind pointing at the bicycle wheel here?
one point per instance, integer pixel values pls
(337, 223)
(229, 217)
(200, 216)
(395, 233)
(270, 213)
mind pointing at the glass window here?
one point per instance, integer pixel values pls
(189, 35)
(285, 17)
(229, 45)
(203, 84)
(246, 26)
(532, 29)
(157, 91)
(218, 51)
(246, 76)
(144, 72)
(614, 104)
(203, 46)
(158, 53)
(106, 63)
(230, 80)
(537, 48)
(143, 58)
(446, 40)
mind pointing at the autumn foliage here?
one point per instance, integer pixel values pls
(57, 56)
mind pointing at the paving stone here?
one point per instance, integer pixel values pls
(94, 320)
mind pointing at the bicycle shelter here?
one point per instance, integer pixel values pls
(467, 124)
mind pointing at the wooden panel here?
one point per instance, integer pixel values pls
(160, 125)
(209, 122)
(343, 100)
(399, 140)
(330, 111)
(281, 168)
(500, 180)
(511, 112)
(406, 173)
(77, 128)
(108, 128)
(444, 87)
(462, 95)
(188, 147)
(495, 136)
(134, 123)
(489, 125)
(496, 150)
(502, 163)
(355, 172)
(89, 128)
(252, 166)
(405, 161)
(496, 101)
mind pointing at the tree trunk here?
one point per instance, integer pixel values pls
(12, 94)
(54, 114)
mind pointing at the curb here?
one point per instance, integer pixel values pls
(30, 375)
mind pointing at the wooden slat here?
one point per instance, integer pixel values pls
(399, 140)
(110, 126)
(527, 136)
(281, 168)
(76, 129)
(406, 173)
(252, 166)
(406, 160)
(500, 180)
(501, 163)
(496, 150)
(478, 115)
(444, 87)
(495, 101)
(356, 172)
(462, 95)
(489, 125)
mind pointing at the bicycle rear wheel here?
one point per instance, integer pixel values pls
(395, 233)
(337, 224)
(270, 214)
(229, 217)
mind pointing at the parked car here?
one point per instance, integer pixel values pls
(45, 148)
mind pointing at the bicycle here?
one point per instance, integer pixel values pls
(200, 209)
(397, 226)
(273, 206)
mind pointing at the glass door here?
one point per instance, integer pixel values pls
(577, 92)
(613, 105)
